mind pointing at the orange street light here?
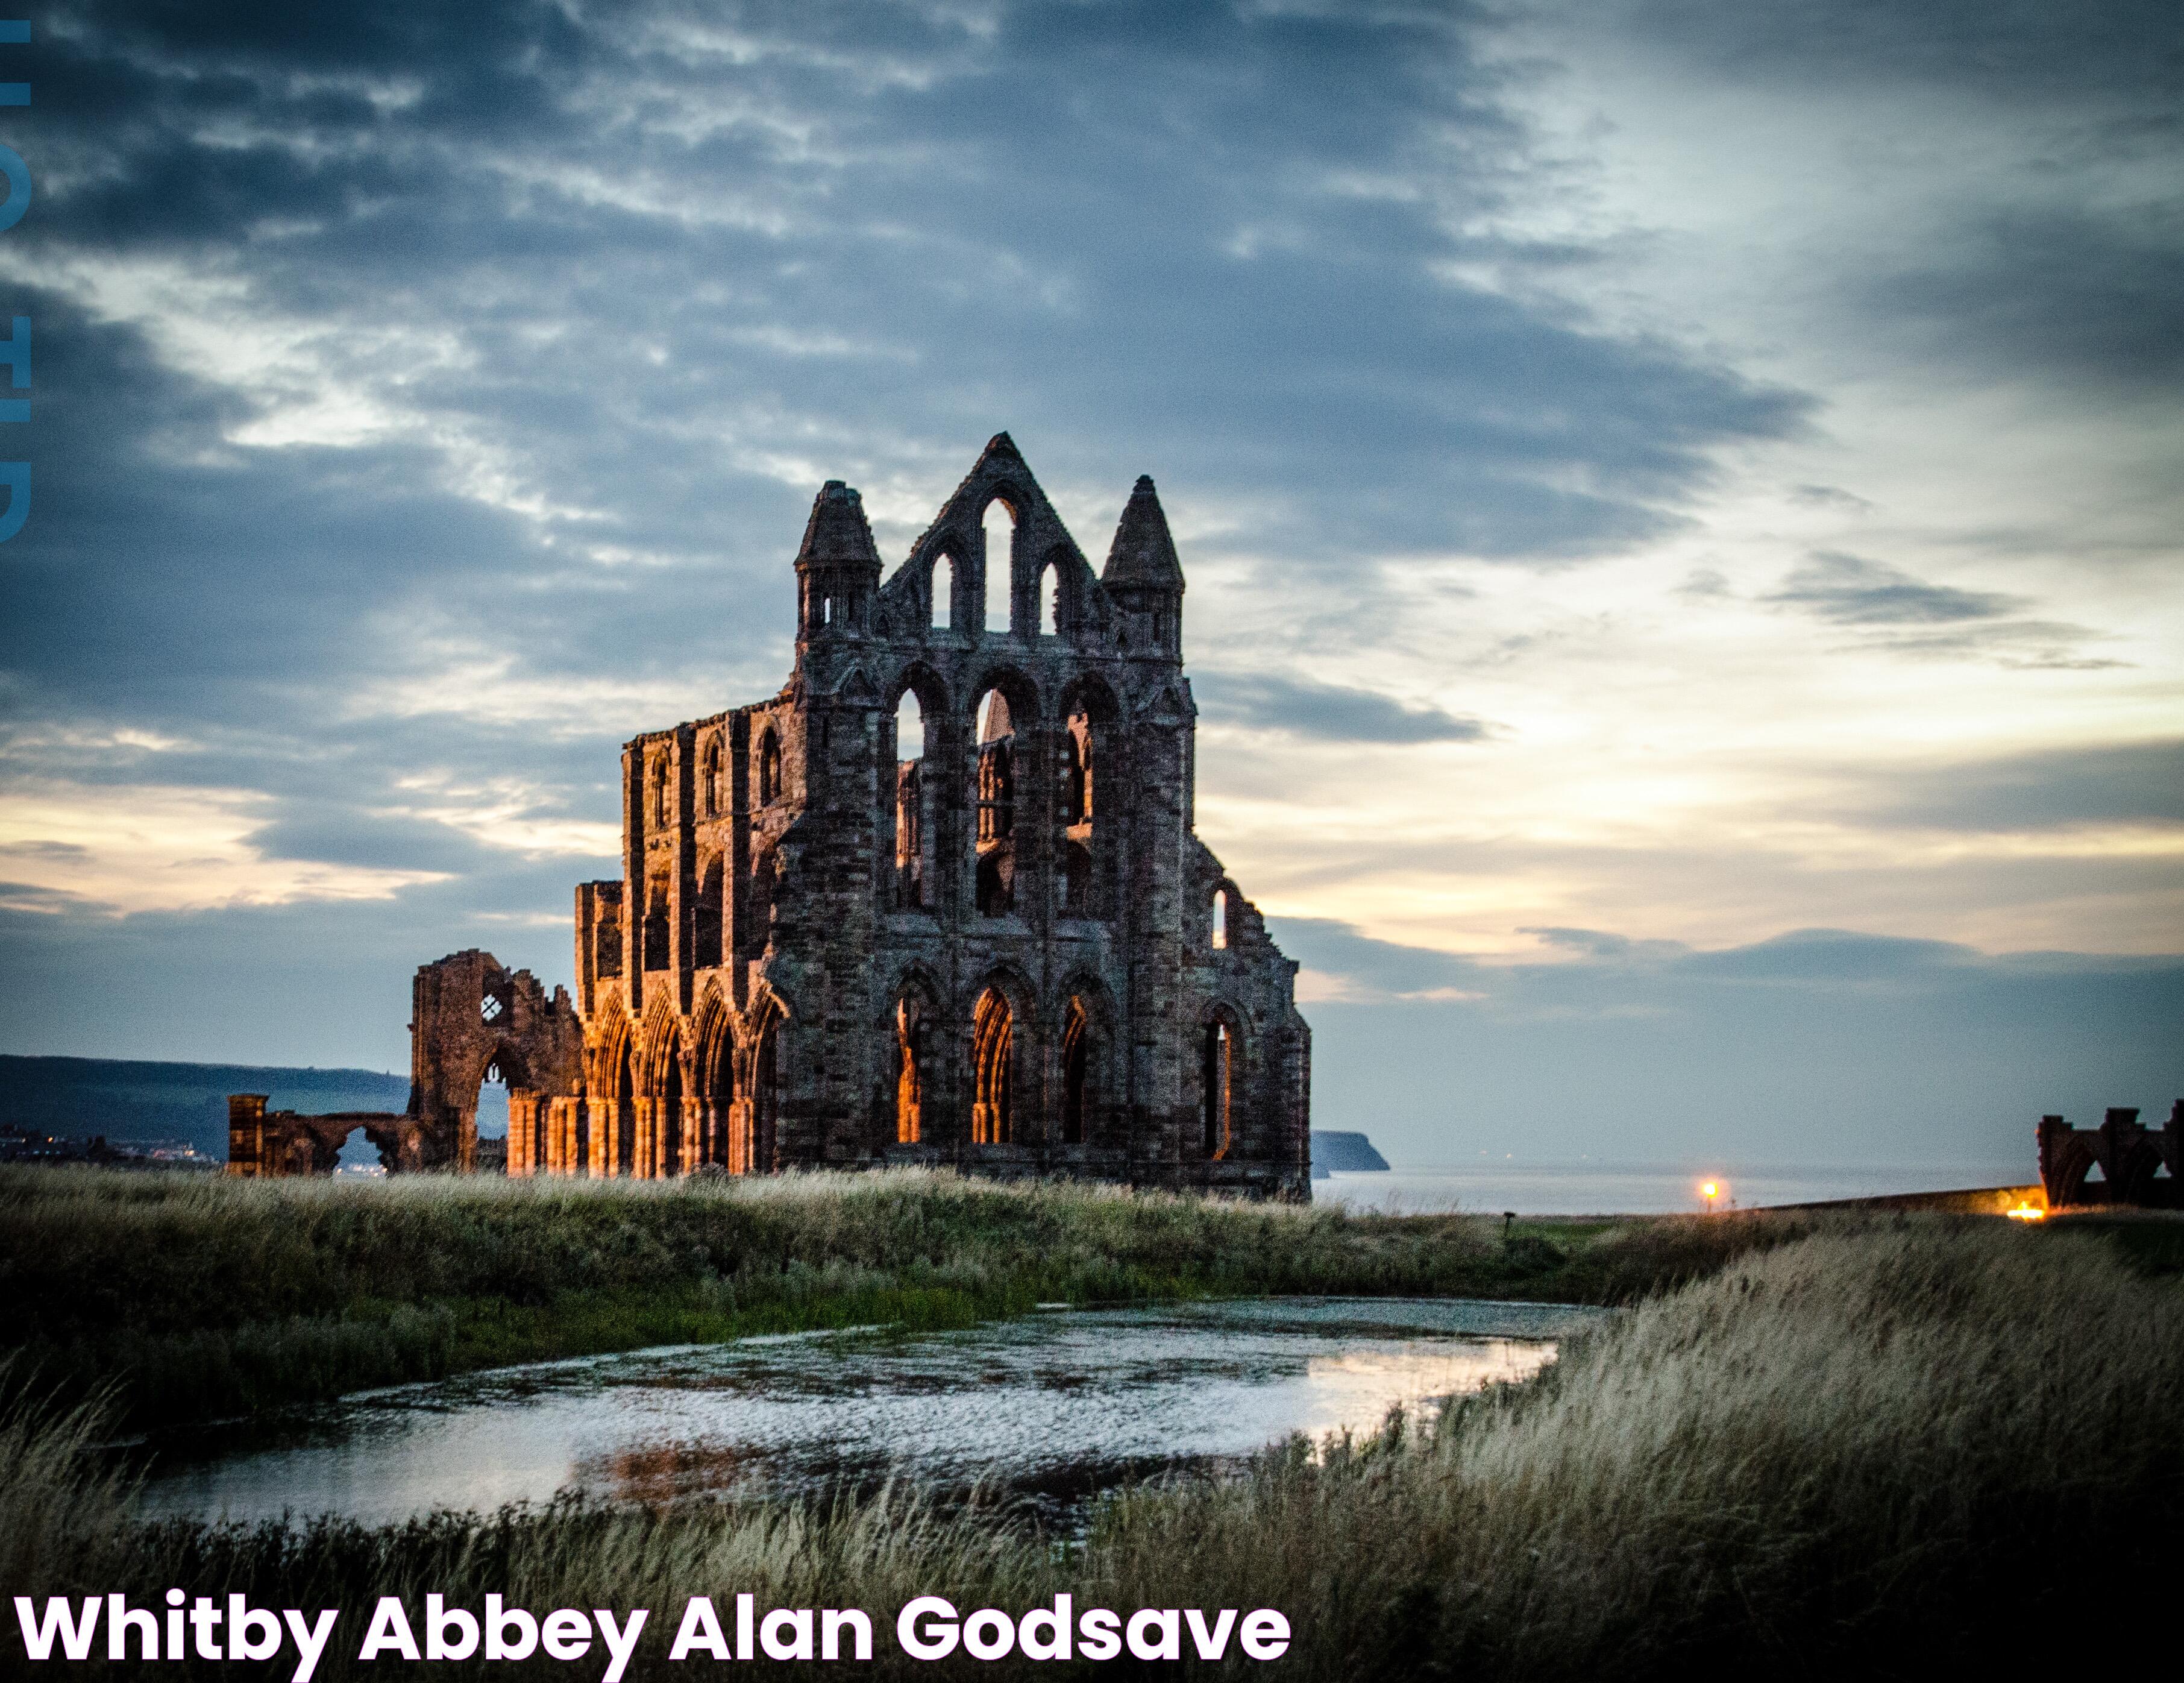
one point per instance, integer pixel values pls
(1710, 1190)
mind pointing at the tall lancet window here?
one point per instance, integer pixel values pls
(1000, 542)
(997, 806)
(909, 805)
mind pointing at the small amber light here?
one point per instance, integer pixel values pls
(2026, 1213)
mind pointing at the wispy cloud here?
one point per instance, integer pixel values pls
(1849, 590)
(1326, 711)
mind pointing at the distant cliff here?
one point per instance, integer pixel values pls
(126, 1099)
(1348, 1152)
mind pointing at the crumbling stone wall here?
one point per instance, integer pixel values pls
(2130, 1157)
(1010, 952)
(262, 1144)
(472, 1020)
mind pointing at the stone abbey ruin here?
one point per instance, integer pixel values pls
(997, 944)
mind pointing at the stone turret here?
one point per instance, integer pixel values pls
(1144, 577)
(838, 566)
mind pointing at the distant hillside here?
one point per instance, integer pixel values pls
(1348, 1152)
(124, 1100)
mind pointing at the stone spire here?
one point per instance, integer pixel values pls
(1143, 553)
(837, 533)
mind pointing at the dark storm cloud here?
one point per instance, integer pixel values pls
(1328, 712)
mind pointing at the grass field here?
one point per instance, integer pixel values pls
(195, 1298)
(1903, 1446)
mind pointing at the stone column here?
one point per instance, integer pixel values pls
(522, 1126)
(602, 1121)
(738, 1154)
(697, 1134)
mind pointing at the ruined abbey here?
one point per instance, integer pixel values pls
(939, 900)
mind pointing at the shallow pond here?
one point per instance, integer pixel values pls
(1052, 1408)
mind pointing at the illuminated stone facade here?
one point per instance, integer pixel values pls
(1001, 947)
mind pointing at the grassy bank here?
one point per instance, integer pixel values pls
(1879, 1450)
(196, 1298)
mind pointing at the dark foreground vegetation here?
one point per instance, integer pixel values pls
(1916, 1445)
(190, 1299)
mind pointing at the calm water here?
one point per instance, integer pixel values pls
(1053, 1407)
(1650, 1192)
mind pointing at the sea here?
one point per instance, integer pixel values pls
(1587, 1189)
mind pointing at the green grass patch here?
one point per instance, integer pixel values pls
(194, 1299)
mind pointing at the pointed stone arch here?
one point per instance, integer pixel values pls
(766, 1083)
(918, 1033)
(1017, 687)
(1224, 1065)
(605, 1145)
(1003, 1050)
(712, 1038)
(1085, 1062)
(604, 1057)
(658, 1126)
(708, 911)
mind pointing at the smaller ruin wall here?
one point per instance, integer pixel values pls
(269, 1144)
(2131, 1159)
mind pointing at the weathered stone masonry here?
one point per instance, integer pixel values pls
(1008, 952)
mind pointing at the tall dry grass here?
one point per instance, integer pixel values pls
(1878, 1449)
(199, 1298)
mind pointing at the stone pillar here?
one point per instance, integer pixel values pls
(575, 1134)
(738, 1153)
(601, 1120)
(697, 1134)
(522, 1131)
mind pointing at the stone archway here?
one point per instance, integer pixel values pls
(993, 1058)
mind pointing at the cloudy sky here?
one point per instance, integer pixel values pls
(1681, 502)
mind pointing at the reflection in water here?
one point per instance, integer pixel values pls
(1052, 1408)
